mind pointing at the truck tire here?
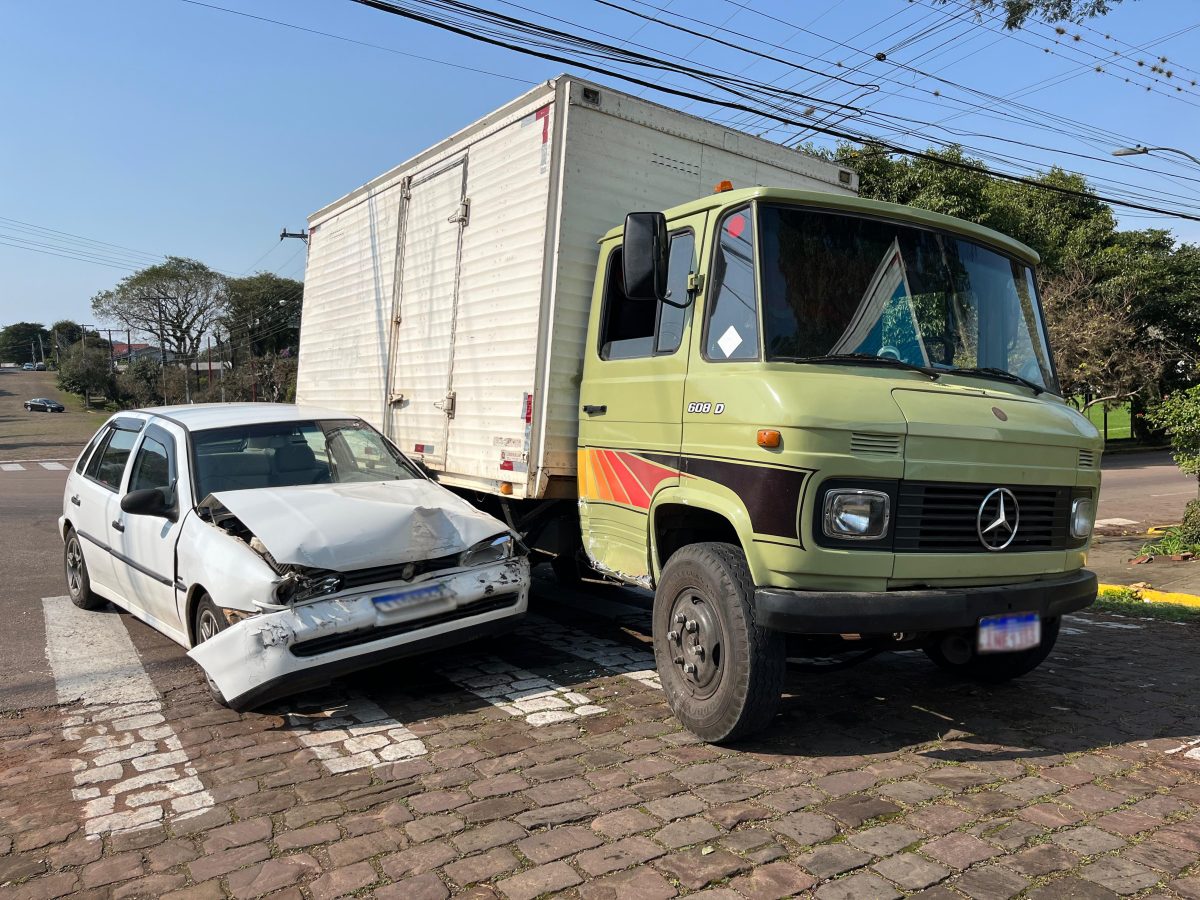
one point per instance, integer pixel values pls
(722, 674)
(996, 668)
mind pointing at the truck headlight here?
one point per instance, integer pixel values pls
(1082, 513)
(856, 514)
(493, 550)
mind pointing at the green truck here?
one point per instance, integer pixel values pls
(808, 422)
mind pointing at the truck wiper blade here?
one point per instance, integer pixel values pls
(858, 359)
(1003, 375)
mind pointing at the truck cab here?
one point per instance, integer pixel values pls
(811, 418)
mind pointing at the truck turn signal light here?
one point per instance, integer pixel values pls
(769, 438)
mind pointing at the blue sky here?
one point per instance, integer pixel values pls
(163, 126)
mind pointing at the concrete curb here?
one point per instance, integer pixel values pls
(1156, 596)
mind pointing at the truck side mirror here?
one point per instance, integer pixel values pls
(644, 256)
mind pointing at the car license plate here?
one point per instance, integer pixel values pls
(1008, 634)
(410, 597)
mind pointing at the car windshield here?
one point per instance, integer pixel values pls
(846, 286)
(278, 454)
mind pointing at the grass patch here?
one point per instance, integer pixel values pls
(1118, 421)
(1171, 543)
(1126, 602)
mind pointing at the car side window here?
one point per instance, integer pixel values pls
(109, 463)
(153, 467)
(633, 329)
(87, 451)
(732, 332)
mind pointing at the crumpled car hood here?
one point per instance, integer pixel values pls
(360, 525)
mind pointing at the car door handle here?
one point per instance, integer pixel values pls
(595, 410)
(117, 525)
(75, 499)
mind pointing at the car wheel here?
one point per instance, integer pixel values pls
(79, 585)
(992, 668)
(209, 622)
(722, 673)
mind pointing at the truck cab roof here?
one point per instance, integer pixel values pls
(851, 204)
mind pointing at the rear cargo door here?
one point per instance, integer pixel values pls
(428, 263)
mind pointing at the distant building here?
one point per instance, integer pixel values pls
(127, 353)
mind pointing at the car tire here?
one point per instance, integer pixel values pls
(209, 621)
(730, 687)
(79, 584)
(997, 668)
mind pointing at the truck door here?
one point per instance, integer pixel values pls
(630, 425)
(427, 269)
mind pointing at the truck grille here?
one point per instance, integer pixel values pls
(942, 518)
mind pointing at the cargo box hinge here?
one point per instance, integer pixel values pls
(463, 215)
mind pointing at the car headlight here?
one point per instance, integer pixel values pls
(296, 587)
(493, 550)
(856, 514)
(1082, 513)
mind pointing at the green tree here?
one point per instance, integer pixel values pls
(141, 383)
(1178, 414)
(85, 371)
(1017, 12)
(19, 342)
(176, 302)
(262, 313)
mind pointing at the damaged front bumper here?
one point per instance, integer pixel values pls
(285, 651)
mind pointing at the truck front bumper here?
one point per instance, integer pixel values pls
(889, 612)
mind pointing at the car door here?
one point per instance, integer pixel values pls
(632, 408)
(95, 499)
(144, 545)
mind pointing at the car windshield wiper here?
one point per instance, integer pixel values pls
(859, 359)
(1003, 375)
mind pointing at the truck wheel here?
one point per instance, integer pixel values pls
(995, 668)
(210, 621)
(722, 674)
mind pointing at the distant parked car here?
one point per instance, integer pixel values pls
(28, 367)
(40, 367)
(41, 404)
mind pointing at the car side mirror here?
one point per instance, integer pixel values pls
(644, 256)
(148, 502)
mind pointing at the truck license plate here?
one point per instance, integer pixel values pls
(1008, 634)
(410, 597)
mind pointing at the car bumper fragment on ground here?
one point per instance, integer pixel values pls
(432, 777)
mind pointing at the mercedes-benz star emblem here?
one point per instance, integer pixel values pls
(997, 519)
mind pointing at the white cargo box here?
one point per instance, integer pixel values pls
(446, 302)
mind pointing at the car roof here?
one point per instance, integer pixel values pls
(200, 416)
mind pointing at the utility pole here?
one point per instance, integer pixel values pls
(42, 348)
(57, 355)
(210, 365)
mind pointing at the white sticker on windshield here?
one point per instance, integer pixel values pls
(729, 341)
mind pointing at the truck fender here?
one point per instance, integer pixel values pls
(708, 498)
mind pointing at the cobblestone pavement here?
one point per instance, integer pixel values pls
(547, 763)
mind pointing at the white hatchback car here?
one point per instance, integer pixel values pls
(284, 545)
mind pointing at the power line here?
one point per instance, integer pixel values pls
(349, 40)
(541, 41)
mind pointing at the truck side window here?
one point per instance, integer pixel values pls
(630, 329)
(627, 326)
(671, 318)
(733, 301)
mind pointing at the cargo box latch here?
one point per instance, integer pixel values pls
(446, 405)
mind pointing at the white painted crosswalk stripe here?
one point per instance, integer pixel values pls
(131, 769)
(12, 467)
(53, 466)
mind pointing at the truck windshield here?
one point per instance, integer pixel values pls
(836, 285)
(278, 454)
